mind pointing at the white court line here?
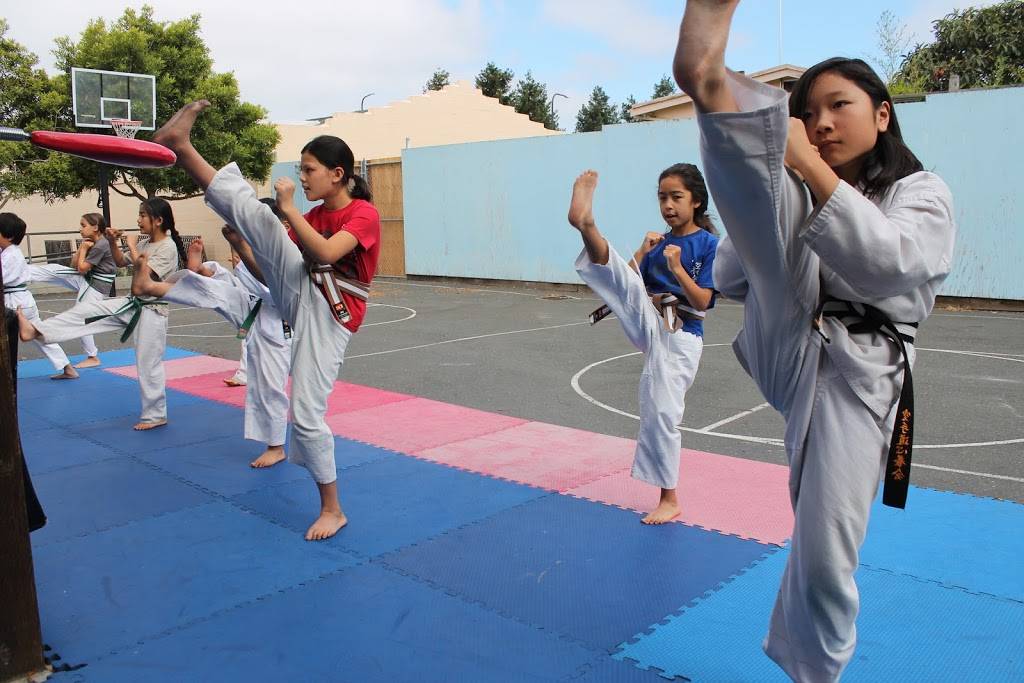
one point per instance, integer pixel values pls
(412, 314)
(735, 417)
(779, 442)
(975, 474)
(973, 315)
(462, 339)
(214, 322)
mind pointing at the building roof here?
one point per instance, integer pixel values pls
(457, 113)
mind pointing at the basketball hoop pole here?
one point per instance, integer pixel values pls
(103, 184)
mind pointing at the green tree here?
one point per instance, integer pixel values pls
(440, 79)
(624, 114)
(663, 88)
(495, 82)
(174, 52)
(531, 98)
(983, 46)
(27, 100)
(596, 112)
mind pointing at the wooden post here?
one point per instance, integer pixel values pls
(21, 641)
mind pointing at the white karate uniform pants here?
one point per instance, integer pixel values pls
(63, 276)
(53, 352)
(670, 366)
(318, 341)
(149, 338)
(266, 401)
(835, 445)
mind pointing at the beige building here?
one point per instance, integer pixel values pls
(680, 106)
(458, 113)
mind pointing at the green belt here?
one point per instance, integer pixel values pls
(247, 323)
(15, 288)
(133, 303)
(99, 277)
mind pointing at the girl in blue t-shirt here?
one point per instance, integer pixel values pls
(660, 298)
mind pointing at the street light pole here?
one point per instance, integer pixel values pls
(362, 109)
(551, 106)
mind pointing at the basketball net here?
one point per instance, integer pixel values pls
(125, 128)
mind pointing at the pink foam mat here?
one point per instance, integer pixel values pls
(211, 387)
(185, 367)
(347, 398)
(417, 424)
(732, 495)
(544, 455)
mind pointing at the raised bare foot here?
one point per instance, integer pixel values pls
(69, 373)
(175, 134)
(142, 278)
(667, 510)
(270, 457)
(146, 426)
(326, 525)
(194, 256)
(26, 330)
(90, 362)
(581, 207)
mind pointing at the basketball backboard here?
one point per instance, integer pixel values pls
(99, 96)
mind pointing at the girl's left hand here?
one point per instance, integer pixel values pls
(672, 255)
(285, 191)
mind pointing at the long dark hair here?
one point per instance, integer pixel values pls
(890, 159)
(155, 207)
(332, 152)
(692, 178)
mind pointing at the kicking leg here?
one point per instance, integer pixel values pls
(581, 217)
(699, 64)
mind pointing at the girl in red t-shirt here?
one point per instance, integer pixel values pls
(319, 278)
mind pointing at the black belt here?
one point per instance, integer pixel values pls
(859, 318)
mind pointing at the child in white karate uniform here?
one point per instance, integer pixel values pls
(320, 278)
(90, 275)
(16, 294)
(837, 244)
(242, 299)
(660, 298)
(143, 320)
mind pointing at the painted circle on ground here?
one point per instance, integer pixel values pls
(575, 382)
(410, 316)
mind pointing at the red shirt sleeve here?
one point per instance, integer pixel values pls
(364, 225)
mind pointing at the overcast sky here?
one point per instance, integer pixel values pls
(305, 59)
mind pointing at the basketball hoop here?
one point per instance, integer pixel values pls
(125, 128)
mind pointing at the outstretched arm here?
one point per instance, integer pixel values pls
(699, 64)
(244, 252)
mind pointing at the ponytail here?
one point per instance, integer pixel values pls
(358, 188)
(155, 207)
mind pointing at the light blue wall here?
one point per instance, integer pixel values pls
(497, 209)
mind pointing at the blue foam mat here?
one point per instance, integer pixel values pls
(586, 570)
(114, 588)
(193, 423)
(222, 465)
(97, 397)
(40, 367)
(960, 540)
(48, 450)
(363, 624)
(909, 630)
(80, 500)
(392, 502)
